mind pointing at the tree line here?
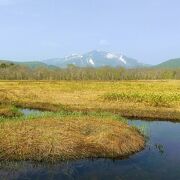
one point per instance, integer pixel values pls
(20, 72)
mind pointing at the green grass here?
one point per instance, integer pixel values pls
(61, 114)
(152, 99)
(9, 111)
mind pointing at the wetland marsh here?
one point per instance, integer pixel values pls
(159, 160)
(78, 129)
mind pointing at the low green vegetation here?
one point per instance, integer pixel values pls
(153, 99)
(9, 111)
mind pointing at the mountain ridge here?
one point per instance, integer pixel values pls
(171, 63)
(95, 59)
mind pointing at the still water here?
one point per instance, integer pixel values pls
(28, 112)
(159, 160)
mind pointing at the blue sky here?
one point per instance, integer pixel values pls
(148, 30)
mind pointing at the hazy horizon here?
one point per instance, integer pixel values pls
(36, 30)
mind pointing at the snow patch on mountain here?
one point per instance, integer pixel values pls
(111, 56)
(96, 59)
(122, 59)
(114, 56)
(91, 61)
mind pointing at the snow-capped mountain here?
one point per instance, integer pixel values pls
(95, 59)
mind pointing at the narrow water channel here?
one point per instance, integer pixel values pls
(159, 160)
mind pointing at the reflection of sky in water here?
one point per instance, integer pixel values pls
(27, 112)
(160, 160)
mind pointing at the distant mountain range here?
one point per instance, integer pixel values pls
(30, 64)
(95, 59)
(172, 63)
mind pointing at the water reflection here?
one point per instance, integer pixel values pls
(160, 148)
(28, 112)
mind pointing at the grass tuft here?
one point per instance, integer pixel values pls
(61, 136)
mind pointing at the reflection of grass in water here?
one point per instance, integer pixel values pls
(160, 148)
(143, 128)
(27, 169)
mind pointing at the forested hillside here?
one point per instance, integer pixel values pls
(172, 63)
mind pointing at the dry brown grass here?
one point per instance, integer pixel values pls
(62, 138)
(140, 99)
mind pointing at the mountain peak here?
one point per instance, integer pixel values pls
(96, 58)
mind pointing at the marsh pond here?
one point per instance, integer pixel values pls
(159, 160)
